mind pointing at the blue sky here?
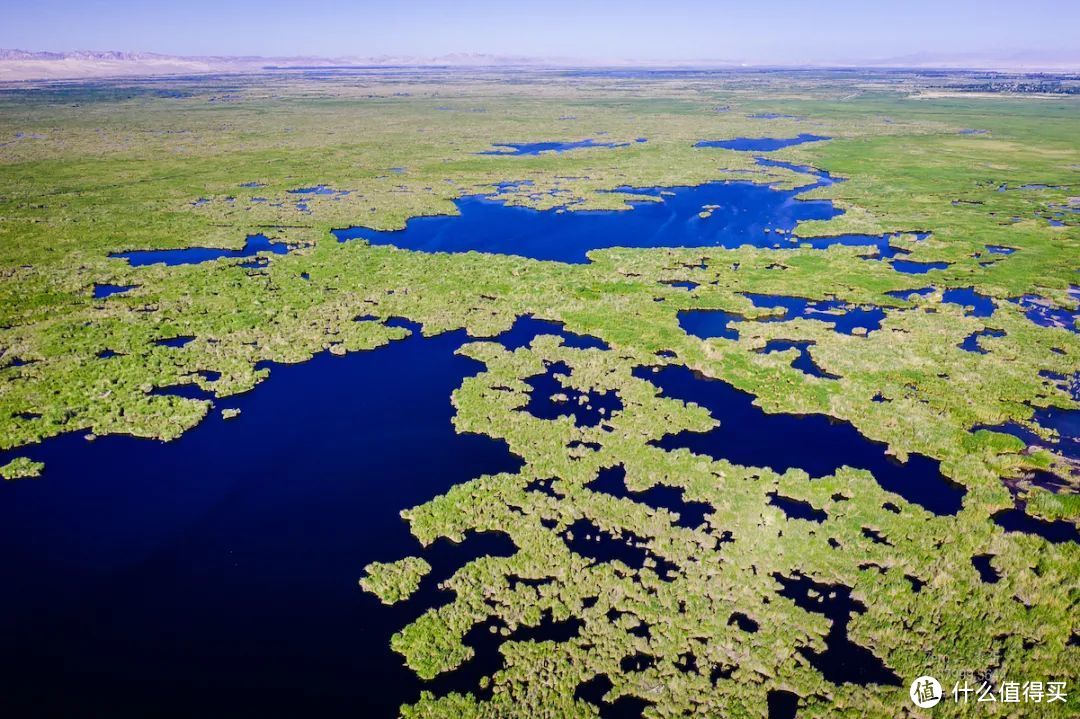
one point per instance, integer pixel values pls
(755, 31)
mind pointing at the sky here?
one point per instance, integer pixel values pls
(751, 31)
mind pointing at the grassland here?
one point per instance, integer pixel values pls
(87, 171)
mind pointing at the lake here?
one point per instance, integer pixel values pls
(220, 570)
(742, 213)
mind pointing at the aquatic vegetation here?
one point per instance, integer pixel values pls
(883, 320)
(394, 581)
(21, 468)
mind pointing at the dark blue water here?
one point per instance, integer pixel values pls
(587, 409)
(760, 144)
(885, 249)
(485, 225)
(217, 575)
(797, 509)
(1068, 383)
(782, 704)
(843, 318)
(193, 255)
(174, 341)
(1066, 422)
(1056, 532)
(917, 268)
(1045, 314)
(986, 570)
(804, 362)
(707, 324)
(843, 661)
(748, 436)
(535, 148)
(586, 539)
(612, 480)
(741, 214)
(971, 342)
(626, 707)
(981, 305)
(526, 328)
(103, 291)
(1001, 249)
(905, 294)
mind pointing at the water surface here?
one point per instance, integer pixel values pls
(535, 148)
(220, 570)
(815, 443)
(760, 144)
(194, 255)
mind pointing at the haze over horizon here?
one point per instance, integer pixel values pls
(781, 32)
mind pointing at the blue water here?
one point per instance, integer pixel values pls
(917, 268)
(885, 248)
(587, 409)
(174, 341)
(535, 148)
(1045, 314)
(803, 362)
(103, 291)
(1058, 531)
(1066, 422)
(842, 661)
(612, 480)
(526, 328)
(707, 324)
(843, 318)
(981, 305)
(216, 574)
(971, 342)
(815, 443)
(194, 255)
(906, 294)
(743, 213)
(760, 144)
(487, 225)
(1069, 383)
(797, 509)
(986, 570)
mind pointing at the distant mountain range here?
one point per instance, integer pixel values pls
(1033, 60)
(25, 65)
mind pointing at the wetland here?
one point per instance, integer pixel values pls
(331, 399)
